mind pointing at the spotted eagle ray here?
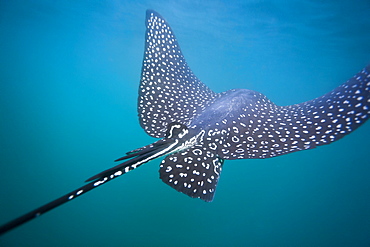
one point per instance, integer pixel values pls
(199, 128)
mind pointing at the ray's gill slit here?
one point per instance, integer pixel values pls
(199, 128)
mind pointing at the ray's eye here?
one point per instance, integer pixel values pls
(176, 130)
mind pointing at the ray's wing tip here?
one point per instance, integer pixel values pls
(367, 67)
(149, 12)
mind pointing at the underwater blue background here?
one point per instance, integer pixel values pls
(69, 76)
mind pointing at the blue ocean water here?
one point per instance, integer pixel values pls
(69, 75)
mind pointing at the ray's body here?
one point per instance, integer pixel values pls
(200, 128)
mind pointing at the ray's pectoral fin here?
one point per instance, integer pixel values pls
(194, 172)
(169, 91)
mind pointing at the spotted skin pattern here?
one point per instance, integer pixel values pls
(194, 172)
(169, 91)
(236, 124)
(199, 128)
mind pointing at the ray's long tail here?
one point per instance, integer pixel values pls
(136, 159)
